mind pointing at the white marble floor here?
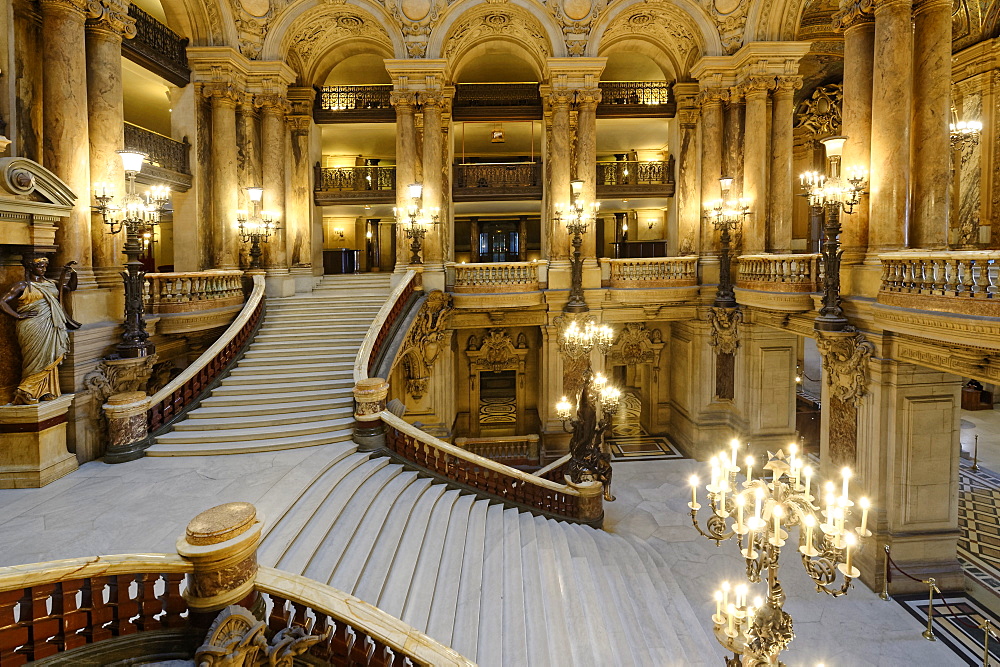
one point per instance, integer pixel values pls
(144, 505)
(985, 424)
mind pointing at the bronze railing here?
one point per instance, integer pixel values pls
(632, 172)
(157, 48)
(499, 175)
(161, 151)
(497, 95)
(355, 179)
(649, 93)
(354, 98)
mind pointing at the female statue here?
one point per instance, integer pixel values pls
(42, 325)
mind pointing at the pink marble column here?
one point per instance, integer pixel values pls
(66, 150)
(688, 195)
(299, 188)
(892, 100)
(859, 52)
(755, 163)
(433, 178)
(931, 143)
(587, 100)
(711, 160)
(273, 149)
(108, 24)
(225, 182)
(406, 166)
(782, 146)
(558, 186)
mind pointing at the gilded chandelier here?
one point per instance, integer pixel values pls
(760, 515)
(256, 226)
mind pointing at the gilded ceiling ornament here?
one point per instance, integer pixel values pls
(730, 18)
(423, 343)
(491, 19)
(666, 24)
(845, 360)
(725, 335)
(820, 115)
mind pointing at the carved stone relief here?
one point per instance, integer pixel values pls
(327, 25)
(820, 114)
(725, 335)
(236, 637)
(497, 351)
(490, 20)
(422, 345)
(665, 24)
(635, 346)
(845, 361)
(730, 18)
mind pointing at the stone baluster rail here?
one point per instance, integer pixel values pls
(192, 291)
(484, 277)
(654, 272)
(380, 328)
(780, 273)
(507, 449)
(965, 282)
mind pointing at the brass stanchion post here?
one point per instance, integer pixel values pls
(987, 627)
(928, 634)
(884, 595)
(975, 455)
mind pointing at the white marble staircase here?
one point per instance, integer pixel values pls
(293, 387)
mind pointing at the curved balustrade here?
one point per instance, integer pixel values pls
(185, 292)
(506, 449)
(654, 272)
(197, 379)
(950, 281)
(380, 328)
(485, 277)
(780, 273)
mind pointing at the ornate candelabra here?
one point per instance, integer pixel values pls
(255, 226)
(760, 514)
(726, 215)
(964, 132)
(136, 215)
(418, 220)
(589, 423)
(576, 216)
(828, 196)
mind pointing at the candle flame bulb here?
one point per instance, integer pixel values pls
(846, 474)
(694, 491)
(865, 506)
(749, 461)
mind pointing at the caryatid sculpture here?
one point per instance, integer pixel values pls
(42, 328)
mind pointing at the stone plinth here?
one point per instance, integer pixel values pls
(369, 402)
(33, 450)
(127, 426)
(591, 500)
(221, 544)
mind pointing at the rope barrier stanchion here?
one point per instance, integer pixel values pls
(928, 634)
(884, 595)
(931, 583)
(975, 455)
(987, 627)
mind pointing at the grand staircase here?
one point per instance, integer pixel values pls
(501, 587)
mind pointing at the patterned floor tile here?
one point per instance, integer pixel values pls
(956, 622)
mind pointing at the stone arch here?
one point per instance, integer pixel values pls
(204, 22)
(665, 60)
(521, 22)
(515, 49)
(682, 29)
(324, 63)
(774, 21)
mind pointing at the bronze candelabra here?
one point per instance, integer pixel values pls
(726, 215)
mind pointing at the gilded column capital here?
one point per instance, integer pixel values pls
(403, 100)
(272, 103)
(757, 86)
(787, 85)
(713, 96)
(588, 98)
(688, 117)
(855, 12)
(110, 16)
(558, 100)
(435, 98)
(222, 93)
(299, 124)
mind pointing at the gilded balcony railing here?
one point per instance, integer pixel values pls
(355, 179)
(652, 93)
(158, 48)
(949, 281)
(496, 95)
(186, 292)
(354, 98)
(654, 272)
(483, 277)
(780, 273)
(632, 172)
(518, 180)
(161, 151)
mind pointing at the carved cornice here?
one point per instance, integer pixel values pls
(855, 12)
(725, 334)
(846, 358)
(111, 16)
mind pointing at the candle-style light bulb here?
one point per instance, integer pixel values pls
(718, 608)
(749, 461)
(846, 475)
(694, 492)
(776, 513)
(734, 444)
(725, 594)
(808, 472)
(865, 506)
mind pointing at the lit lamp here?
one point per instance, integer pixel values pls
(256, 226)
(418, 220)
(963, 132)
(761, 514)
(576, 216)
(136, 215)
(829, 195)
(726, 214)
(598, 403)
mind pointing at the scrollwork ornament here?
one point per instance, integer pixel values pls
(725, 334)
(423, 343)
(111, 15)
(820, 115)
(853, 13)
(846, 358)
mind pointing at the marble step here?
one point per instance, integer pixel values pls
(330, 339)
(572, 603)
(291, 431)
(320, 328)
(265, 376)
(318, 316)
(276, 348)
(514, 649)
(539, 632)
(548, 591)
(247, 446)
(293, 368)
(493, 608)
(214, 422)
(218, 407)
(330, 330)
(238, 387)
(265, 355)
(459, 621)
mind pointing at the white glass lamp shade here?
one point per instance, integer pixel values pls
(255, 194)
(577, 187)
(725, 183)
(834, 146)
(132, 160)
(414, 190)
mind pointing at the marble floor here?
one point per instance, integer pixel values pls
(985, 424)
(144, 505)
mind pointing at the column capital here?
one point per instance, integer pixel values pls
(403, 100)
(440, 99)
(558, 100)
(272, 103)
(688, 117)
(110, 16)
(299, 124)
(588, 98)
(710, 96)
(855, 12)
(756, 86)
(224, 93)
(786, 85)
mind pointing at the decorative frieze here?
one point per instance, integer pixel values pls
(423, 343)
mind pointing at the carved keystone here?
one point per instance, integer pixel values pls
(369, 402)
(221, 544)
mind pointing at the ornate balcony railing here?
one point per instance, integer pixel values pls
(780, 273)
(510, 101)
(354, 103)
(631, 98)
(509, 449)
(482, 277)
(161, 151)
(966, 282)
(634, 178)
(654, 272)
(157, 48)
(492, 181)
(375, 185)
(186, 292)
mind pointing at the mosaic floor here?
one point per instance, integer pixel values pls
(956, 624)
(629, 441)
(979, 520)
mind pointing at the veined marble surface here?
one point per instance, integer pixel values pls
(144, 505)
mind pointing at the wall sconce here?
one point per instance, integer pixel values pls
(339, 231)
(650, 222)
(496, 137)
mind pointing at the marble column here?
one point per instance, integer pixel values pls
(298, 189)
(755, 163)
(273, 140)
(711, 160)
(225, 185)
(732, 139)
(66, 150)
(892, 97)
(931, 142)
(558, 186)
(587, 100)
(859, 53)
(782, 195)
(108, 23)
(688, 193)
(433, 177)
(406, 166)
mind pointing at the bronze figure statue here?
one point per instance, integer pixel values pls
(589, 458)
(42, 327)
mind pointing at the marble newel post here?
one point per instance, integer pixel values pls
(782, 145)
(298, 190)
(433, 193)
(587, 100)
(406, 165)
(755, 163)
(859, 53)
(66, 150)
(711, 158)
(369, 402)
(688, 193)
(559, 173)
(108, 23)
(225, 183)
(931, 142)
(891, 108)
(273, 150)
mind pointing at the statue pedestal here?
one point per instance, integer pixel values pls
(33, 450)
